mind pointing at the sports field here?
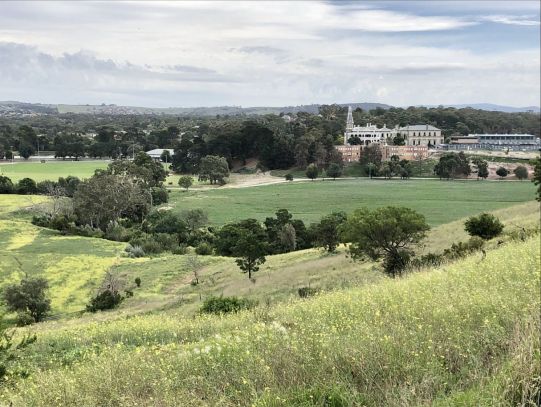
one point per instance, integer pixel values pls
(50, 170)
(440, 201)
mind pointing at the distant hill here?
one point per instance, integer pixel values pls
(495, 108)
(10, 108)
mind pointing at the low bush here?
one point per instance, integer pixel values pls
(134, 251)
(107, 299)
(462, 249)
(225, 305)
(486, 226)
(117, 232)
(180, 250)
(305, 292)
(204, 249)
(160, 195)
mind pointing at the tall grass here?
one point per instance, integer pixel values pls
(433, 337)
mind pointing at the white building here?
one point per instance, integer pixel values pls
(157, 153)
(421, 135)
(369, 134)
(416, 135)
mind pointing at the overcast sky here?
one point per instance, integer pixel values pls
(161, 54)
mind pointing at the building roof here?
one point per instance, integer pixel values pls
(419, 127)
(157, 152)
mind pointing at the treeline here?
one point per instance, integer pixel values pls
(278, 142)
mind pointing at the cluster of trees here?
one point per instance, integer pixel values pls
(278, 143)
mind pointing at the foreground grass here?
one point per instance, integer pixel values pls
(440, 201)
(447, 336)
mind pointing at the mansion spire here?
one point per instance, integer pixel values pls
(349, 122)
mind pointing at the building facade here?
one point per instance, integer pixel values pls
(415, 135)
(421, 135)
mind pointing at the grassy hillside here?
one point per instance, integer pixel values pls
(439, 201)
(76, 265)
(460, 335)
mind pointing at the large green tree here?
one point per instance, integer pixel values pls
(452, 165)
(325, 233)
(214, 169)
(105, 198)
(389, 232)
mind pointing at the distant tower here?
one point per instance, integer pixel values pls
(349, 122)
(349, 125)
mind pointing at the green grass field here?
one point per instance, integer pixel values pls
(440, 201)
(462, 335)
(50, 170)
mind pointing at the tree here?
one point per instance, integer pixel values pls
(289, 177)
(452, 165)
(106, 198)
(521, 172)
(143, 170)
(214, 169)
(26, 150)
(28, 297)
(389, 232)
(386, 170)
(6, 186)
(312, 171)
(502, 172)
(371, 159)
(165, 156)
(246, 240)
(194, 218)
(325, 234)
(288, 237)
(537, 176)
(27, 186)
(482, 168)
(185, 182)
(334, 171)
(486, 226)
(399, 140)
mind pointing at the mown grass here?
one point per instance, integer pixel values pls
(51, 170)
(440, 201)
(447, 335)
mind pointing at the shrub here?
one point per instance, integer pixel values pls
(289, 177)
(107, 299)
(88, 231)
(44, 187)
(137, 282)
(24, 319)
(27, 186)
(305, 292)
(160, 195)
(502, 172)
(6, 186)
(428, 260)
(225, 305)
(486, 226)
(462, 249)
(521, 172)
(149, 244)
(41, 220)
(204, 249)
(180, 250)
(117, 232)
(29, 296)
(134, 251)
(185, 182)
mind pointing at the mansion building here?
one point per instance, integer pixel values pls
(415, 135)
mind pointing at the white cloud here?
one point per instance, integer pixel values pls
(264, 53)
(513, 20)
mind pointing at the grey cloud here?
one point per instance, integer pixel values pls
(22, 63)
